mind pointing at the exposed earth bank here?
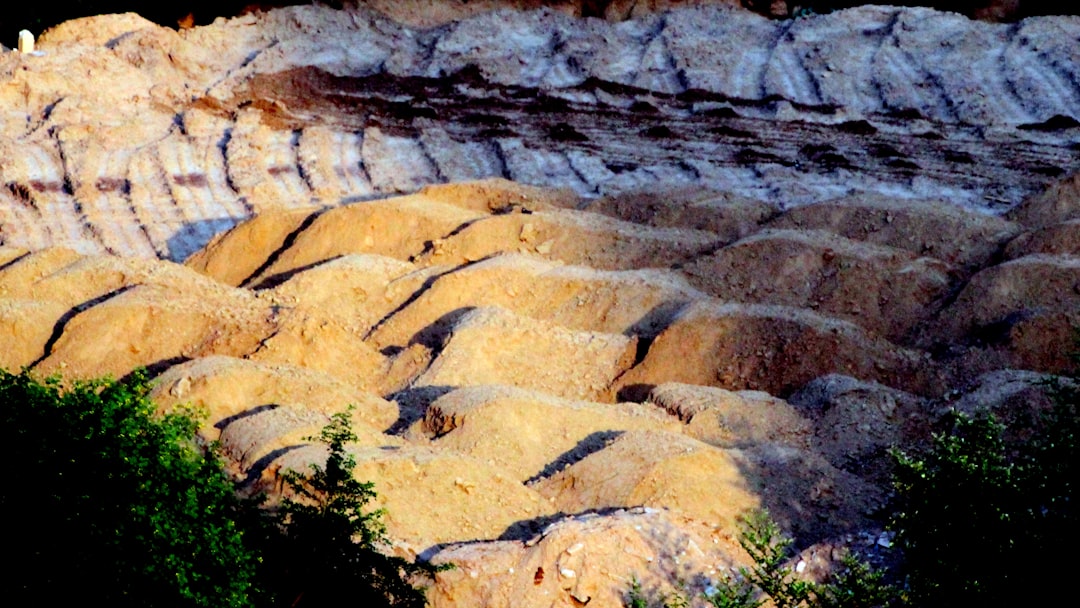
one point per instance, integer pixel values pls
(559, 400)
(713, 281)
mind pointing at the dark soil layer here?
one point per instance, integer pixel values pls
(40, 16)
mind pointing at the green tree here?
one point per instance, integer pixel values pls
(770, 549)
(982, 515)
(855, 584)
(330, 546)
(107, 503)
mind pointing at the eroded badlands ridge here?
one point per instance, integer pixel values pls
(740, 260)
(136, 139)
(559, 395)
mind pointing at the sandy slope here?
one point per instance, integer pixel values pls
(558, 389)
(527, 400)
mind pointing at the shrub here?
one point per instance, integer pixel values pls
(770, 550)
(108, 504)
(855, 584)
(980, 518)
(329, 545)
(733, 593)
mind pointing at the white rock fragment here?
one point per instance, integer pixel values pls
(800, 567)
(26, 42)
(885, 540)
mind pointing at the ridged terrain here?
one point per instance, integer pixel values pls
(545, 395)
(311, 105)
(737, 261)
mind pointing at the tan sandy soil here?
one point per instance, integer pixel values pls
(433, 496)
(924, 228)
(732, 419)
(726, 214)
(493, 346)
(228, 257)
(573, 237)
(641, 302)
(494, 398)
(662, 286)
(228, 387)
(561, 565)
(886, 291)
(655, 470)
(770, 348)
(1023, 309)
(1059, 203)
(1057, 239)
(530, 433)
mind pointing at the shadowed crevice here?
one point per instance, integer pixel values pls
(61, 323)
(290, 239)
(591, 444)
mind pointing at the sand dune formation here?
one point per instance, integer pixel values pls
(595, 287)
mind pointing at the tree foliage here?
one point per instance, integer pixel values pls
(107, 503)
(979, 516)
(330, 544)
(854, 584)
(770, 550)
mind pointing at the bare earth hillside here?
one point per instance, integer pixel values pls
(595, 287)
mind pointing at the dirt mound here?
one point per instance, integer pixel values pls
(105, 313)
(884, 290)
(497, 195)
(433, 496)
(398, 228)
(255, 409)
(236, 256)
(572, 237)
(528, 433)
(1016, 397)
(1055, 239)
(654, 469)
(493, 346)
(726, 214)
(924, 228)
(792, 484)
(855, 422)
(585, 559)
(769, 348)
(230, 388)
(33, 322)
(1059, 203)
(637, 302)
(732, 419)
(1022, 309)
(154, 326)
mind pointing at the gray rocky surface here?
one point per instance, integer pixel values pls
(128, 137)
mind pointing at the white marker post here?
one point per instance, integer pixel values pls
(26, 42)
